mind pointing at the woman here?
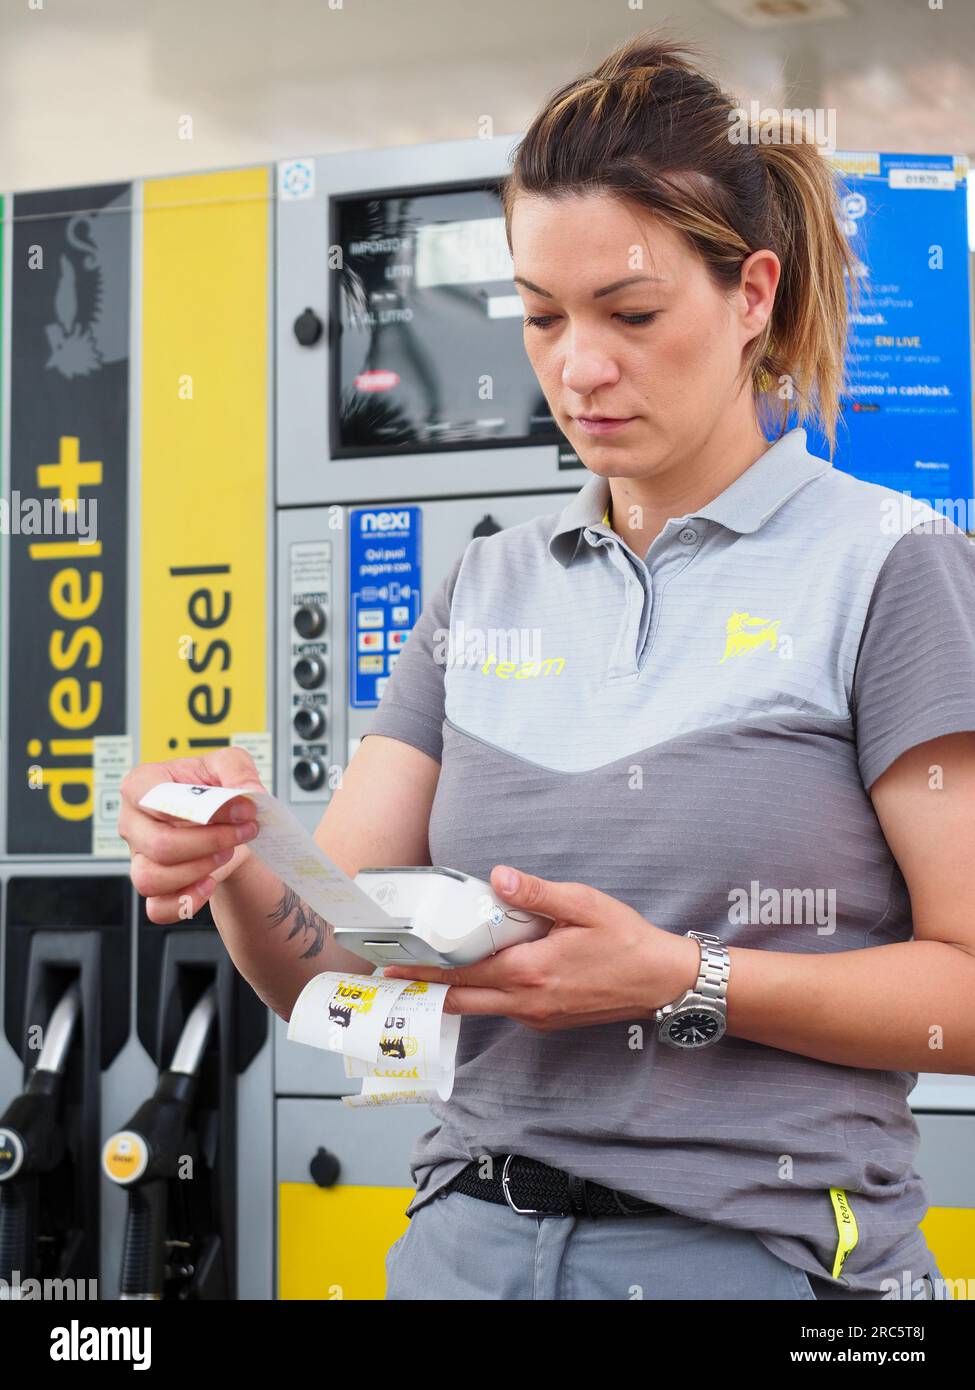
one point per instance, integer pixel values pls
(738, 682)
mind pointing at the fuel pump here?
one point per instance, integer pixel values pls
(171, 1246)
(66, 1012)
(177, 1157)
(37, 1235)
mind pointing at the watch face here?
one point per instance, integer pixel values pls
(694, 1028)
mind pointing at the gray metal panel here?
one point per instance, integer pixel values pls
(306, 474)
(944, 1159)
(935, 1091)
(371, 1142)
(300, 1070)
(255, 1177)
(304, 527)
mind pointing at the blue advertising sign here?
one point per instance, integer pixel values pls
(384, 595)
(907, 416)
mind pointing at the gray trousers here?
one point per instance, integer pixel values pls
(460, 1247)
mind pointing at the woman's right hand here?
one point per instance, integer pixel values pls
(175, 864)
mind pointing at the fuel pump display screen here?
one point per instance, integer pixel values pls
(428, 349)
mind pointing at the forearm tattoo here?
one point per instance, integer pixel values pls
(305, 921)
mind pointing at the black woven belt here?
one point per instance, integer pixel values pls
(531, 1188)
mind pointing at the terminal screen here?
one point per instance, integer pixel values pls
(427, 347)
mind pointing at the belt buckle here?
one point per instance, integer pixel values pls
(522, 1211)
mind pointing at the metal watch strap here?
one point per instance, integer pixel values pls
(712, 980)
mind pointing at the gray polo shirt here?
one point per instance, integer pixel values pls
(693, 732)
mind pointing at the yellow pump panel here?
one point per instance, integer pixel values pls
(332, 1241)
(950, 1232)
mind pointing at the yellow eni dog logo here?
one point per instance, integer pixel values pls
(763, 633)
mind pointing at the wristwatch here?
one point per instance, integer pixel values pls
(699, 1017)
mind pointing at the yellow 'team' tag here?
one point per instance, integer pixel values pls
(846, 1228)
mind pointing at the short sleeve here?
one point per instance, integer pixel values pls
(915, 672)
(412, 704)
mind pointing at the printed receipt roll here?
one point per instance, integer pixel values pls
(391, 1033)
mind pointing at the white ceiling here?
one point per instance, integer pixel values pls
(94, 90)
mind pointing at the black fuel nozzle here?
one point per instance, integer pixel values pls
(145, 1157)
(32, 1145)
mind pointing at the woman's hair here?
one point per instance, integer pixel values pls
(652, 128)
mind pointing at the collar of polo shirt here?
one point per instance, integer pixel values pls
(744, 506)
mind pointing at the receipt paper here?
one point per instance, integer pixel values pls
(393, 1034)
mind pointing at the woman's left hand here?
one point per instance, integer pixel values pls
(601, 962)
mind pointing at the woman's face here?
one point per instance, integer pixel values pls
(631, 325)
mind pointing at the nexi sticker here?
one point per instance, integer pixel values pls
(384, 595)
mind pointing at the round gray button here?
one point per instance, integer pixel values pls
(688, 535)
